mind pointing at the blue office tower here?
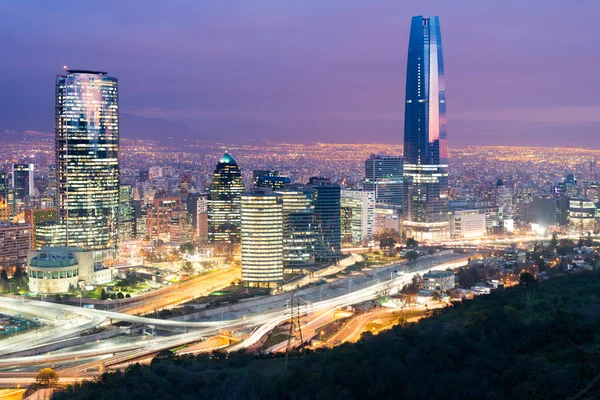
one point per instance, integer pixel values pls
(425, 146)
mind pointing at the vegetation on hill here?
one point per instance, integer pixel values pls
(530, 341)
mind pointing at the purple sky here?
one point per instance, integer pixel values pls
(517, 72)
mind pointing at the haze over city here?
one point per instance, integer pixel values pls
(522, 71)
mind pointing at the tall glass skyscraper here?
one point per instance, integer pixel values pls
(425, 147)
(225, 202)
(87, 158)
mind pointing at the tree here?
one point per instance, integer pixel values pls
(120, 295)
(554, 242)
(188, 268)
(387, 242)
(3, 275)
(103, 295)
(127, 296)
(412, 255)
(528, 282)
(18, 275)
(186, 248)
(589, 242)
(47, 377)
(113, 296)
(411, 242)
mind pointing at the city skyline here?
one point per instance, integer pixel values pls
(212, 84)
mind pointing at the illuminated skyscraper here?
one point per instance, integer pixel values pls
(425, 147)
(262, 239)
(224, 203)
(384, 176)
(327, 218)
(299, 228)
(87, 158)
(127, 229)
(22, 180)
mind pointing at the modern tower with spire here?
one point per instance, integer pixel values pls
(425, 147)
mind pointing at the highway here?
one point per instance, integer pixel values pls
(366, 288)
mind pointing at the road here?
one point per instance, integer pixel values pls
(366, 288)
(181, 292)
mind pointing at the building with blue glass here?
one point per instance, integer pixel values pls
(425, 146)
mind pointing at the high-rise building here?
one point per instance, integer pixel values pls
(262, 239)
(127, 228)
(299, 228)
(358, 215)
(269, 179)
(224, 202)
(425, 147)
(327, 218)
(197, 209)
(384, 176)
(15, 242)
(6, 198)
(87, 159)
(22, 180)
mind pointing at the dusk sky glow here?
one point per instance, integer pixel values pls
(517, 72)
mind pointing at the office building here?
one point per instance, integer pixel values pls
(87, 160)
(299, 228)
(327, 219)
(224, 202)
(467, 223)
(23, 180)
(425, 145)
(269, 179)
(35, 217)
(197, 209)
(357, 215)
(582, 215)
(127, 226)
(262, 239)
(384, 176)
(15, 242)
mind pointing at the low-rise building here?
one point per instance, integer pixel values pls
(438, 281)
(54, 269)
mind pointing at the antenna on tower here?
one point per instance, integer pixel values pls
(295, 316)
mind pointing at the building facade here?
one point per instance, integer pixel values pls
(87, 159)
(327, 219)
(439, 281)
(299, 228)
(358, 215)
(467, 223)
(55, 269)
(225, 202)
(425, 136)
(384, 176)
(23, 180)
(127, 226)
(15, 242)
(262, 239)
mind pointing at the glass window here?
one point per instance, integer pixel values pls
(54, 274)
(70, 273)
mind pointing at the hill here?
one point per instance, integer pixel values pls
(501, 346)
